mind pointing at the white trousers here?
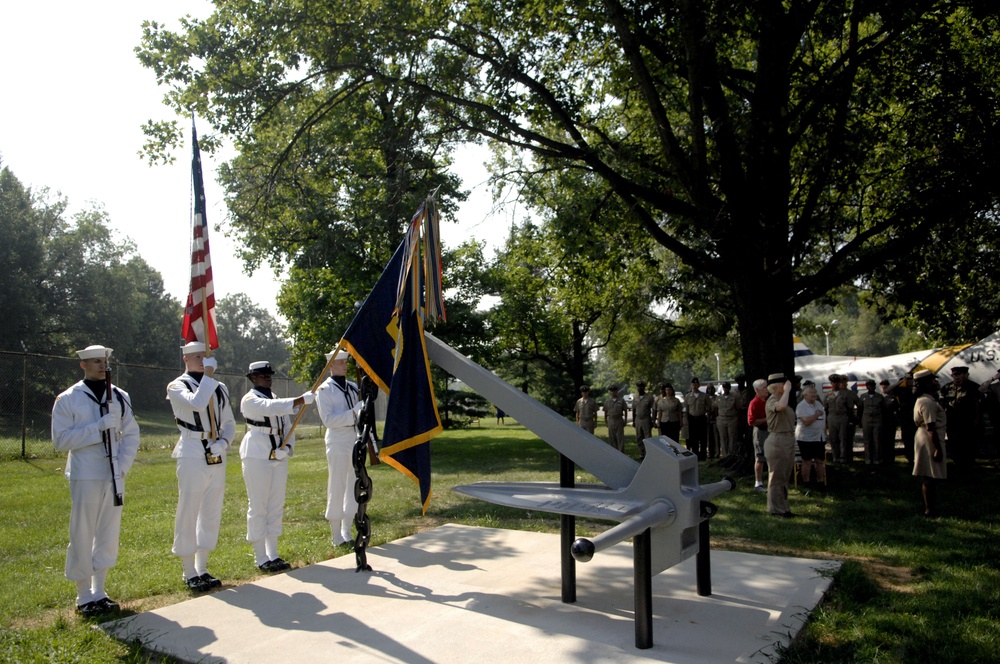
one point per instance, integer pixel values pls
(266, 481)
(94, 528)
(340, 502)
(200, 489)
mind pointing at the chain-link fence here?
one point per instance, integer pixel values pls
(31, 382)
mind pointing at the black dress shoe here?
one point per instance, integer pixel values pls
(210, 580)
(279, 565)
(266, 566)
(107, 604)
(197, 584)
(88, 609)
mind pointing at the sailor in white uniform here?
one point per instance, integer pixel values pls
(339, 406)
(84, 423)
(205, 420)
(265, 450)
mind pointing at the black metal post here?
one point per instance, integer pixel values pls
(567, 533)
(703, 564)
(642, 561)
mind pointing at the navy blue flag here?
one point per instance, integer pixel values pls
(389, 346)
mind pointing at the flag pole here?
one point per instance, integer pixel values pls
(208, 353)
(196, 154)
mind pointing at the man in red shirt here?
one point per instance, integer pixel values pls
(757, 420)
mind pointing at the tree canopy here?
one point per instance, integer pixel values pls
(780, 148)
(73, 283)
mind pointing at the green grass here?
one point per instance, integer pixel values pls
(910, 590)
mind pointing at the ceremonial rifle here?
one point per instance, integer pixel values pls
(108, 434)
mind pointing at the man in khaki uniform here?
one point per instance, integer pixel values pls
(725, 420)
(586, 410)
(614, 418)
(871, 408)
(698, 404)
(642, 416)
(839, 404)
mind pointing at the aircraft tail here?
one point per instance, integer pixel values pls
(801, 350)
(982, 359)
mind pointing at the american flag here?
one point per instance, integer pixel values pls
(201, 298)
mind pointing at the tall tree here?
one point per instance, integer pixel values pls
(24, 223)
(73, 283)
(781, 148)
(329, 170)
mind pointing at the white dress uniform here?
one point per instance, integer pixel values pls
(338, 409)
(265, 478)
(95, 521)
(200, 486)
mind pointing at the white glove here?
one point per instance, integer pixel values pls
(211, 363)
(113, 420)
(308, 398)
(280, 454)
(218, 447)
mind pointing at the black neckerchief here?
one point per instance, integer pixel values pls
(266, 391)
(341, 383)
(97, 387)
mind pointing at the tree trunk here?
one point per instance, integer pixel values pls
(764, 321)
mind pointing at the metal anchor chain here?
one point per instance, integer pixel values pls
(367, 442)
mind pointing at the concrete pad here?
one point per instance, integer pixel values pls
(460, 594)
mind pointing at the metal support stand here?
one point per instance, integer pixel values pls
(703, 564)
(643, 566)
(567, 533)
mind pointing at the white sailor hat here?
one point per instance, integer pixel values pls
(923, 373)
(193, 347)
(91, 352)
(341, 354)
(259, 368)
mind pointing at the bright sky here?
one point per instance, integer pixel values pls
(73, 97)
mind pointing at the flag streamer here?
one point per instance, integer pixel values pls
(386, 338)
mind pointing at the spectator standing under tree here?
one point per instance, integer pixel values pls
(757, 421)
(668, 413)
(697, 405)
(930, 460)
(962, 406)
(810, 433)
(711, 434)
(642, 416)
(839, 413)
(725, 421)
(614, 417)
(871, 408)
(586, 410)
(905, 398)
(890, 421)
(780, 445)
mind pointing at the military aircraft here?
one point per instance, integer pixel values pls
(982, 359)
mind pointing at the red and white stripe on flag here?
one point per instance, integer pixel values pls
(201, 297)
